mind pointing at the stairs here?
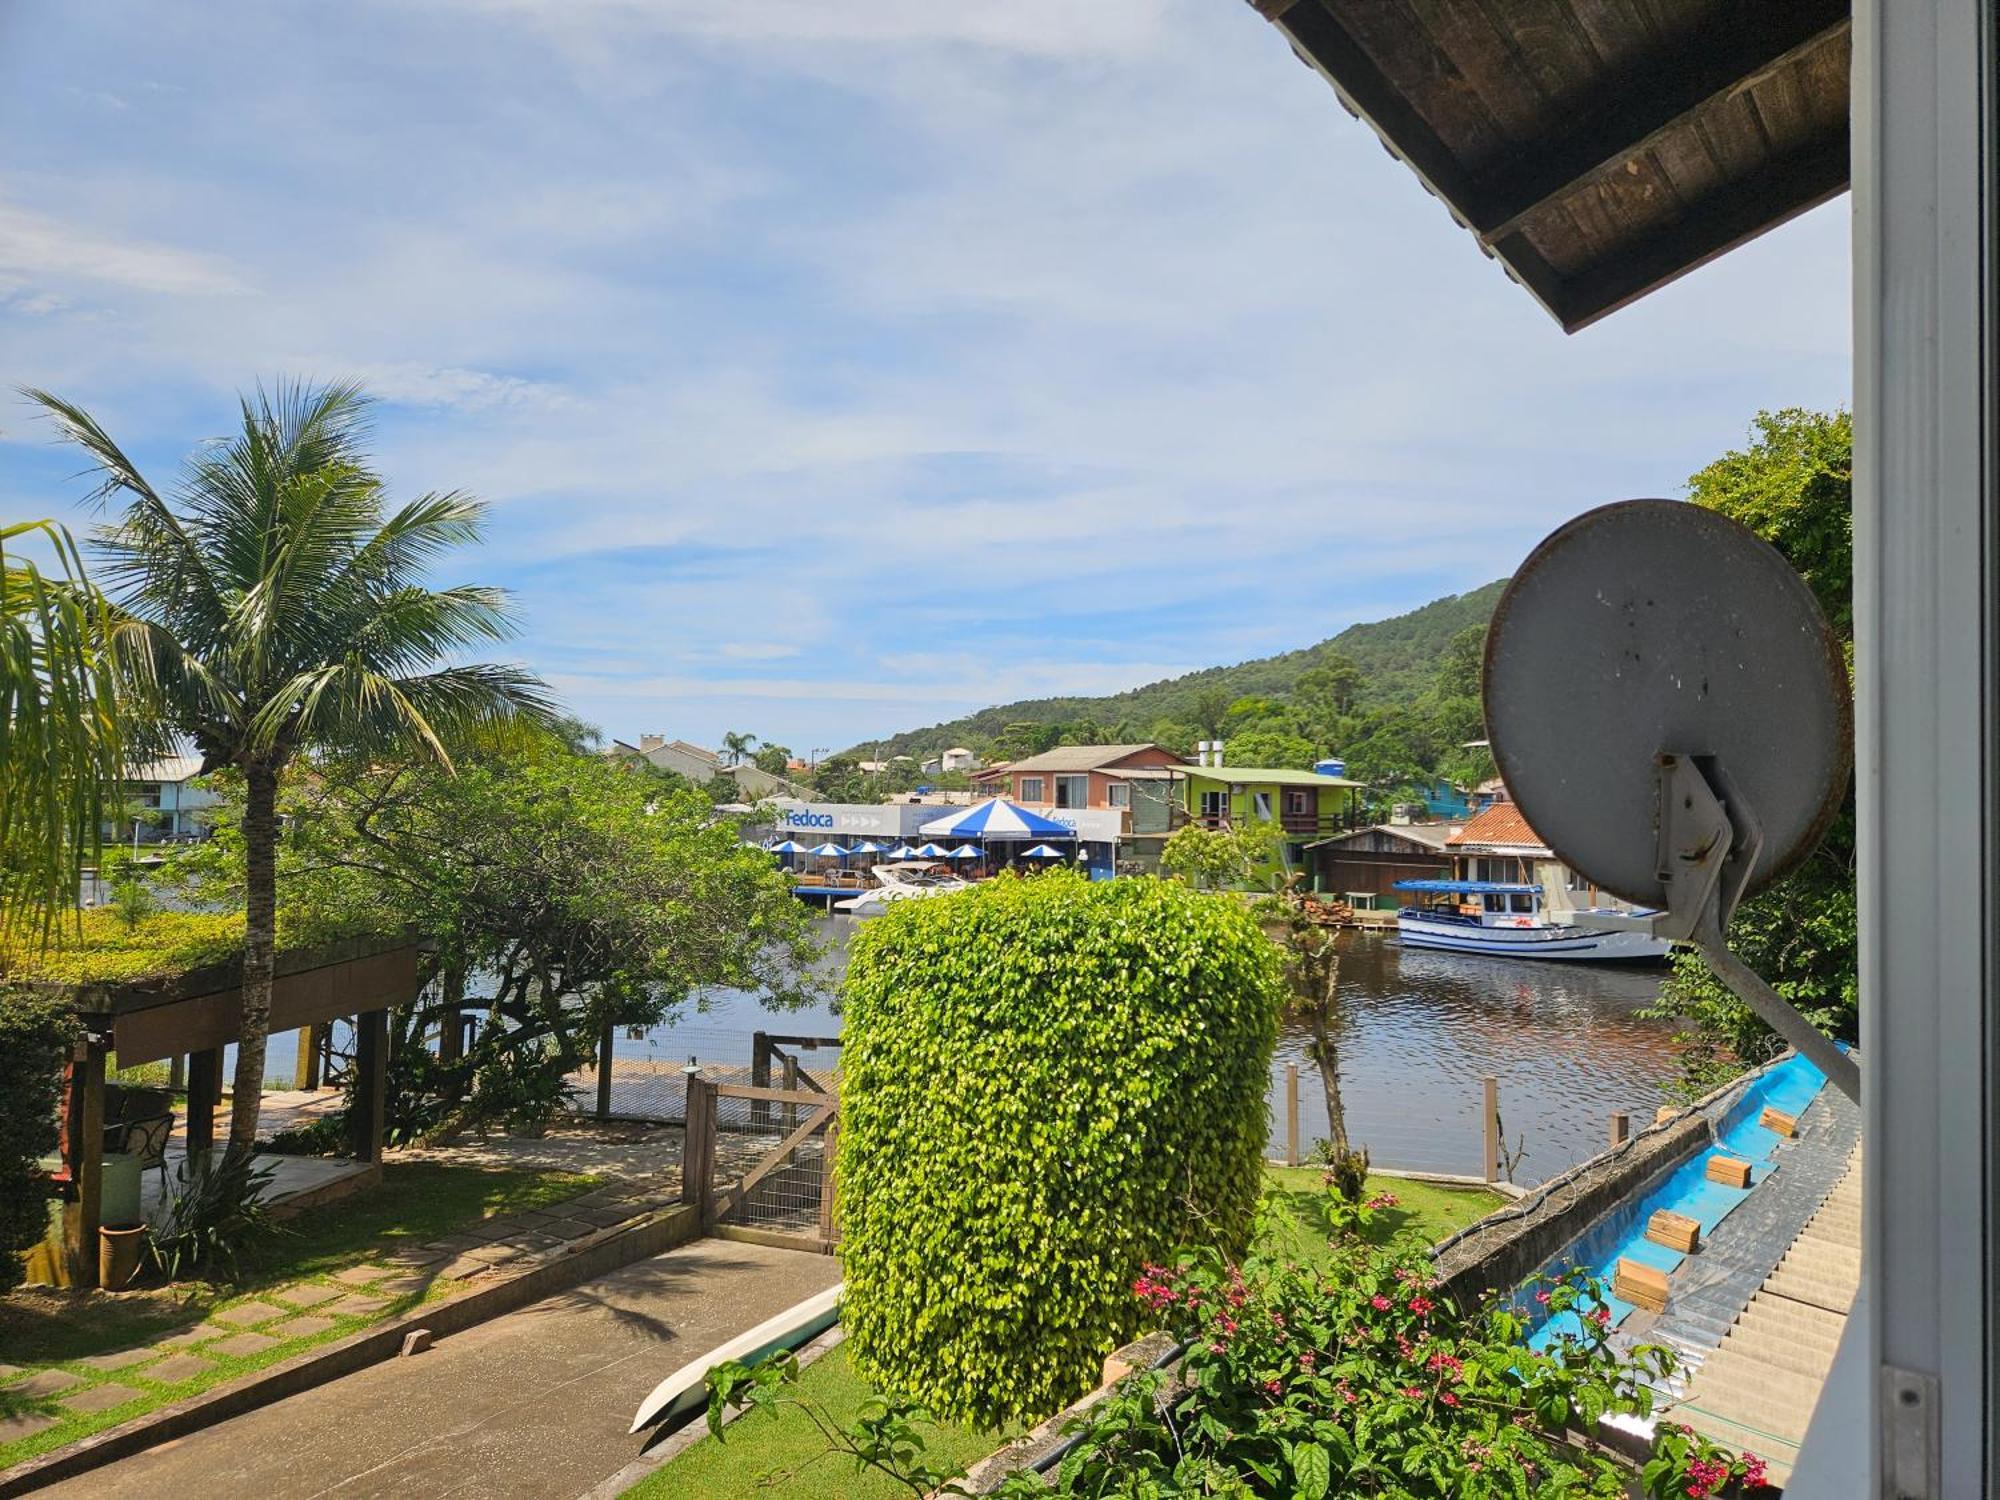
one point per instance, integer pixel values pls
(1757, 1390)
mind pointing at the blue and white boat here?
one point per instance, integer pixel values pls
(1504, 919)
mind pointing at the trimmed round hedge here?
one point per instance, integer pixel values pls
(1046, 1085)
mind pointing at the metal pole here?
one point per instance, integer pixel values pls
(1490, 1129)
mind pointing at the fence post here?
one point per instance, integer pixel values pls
(760, 1075)
(605, 1039)
(1621, 1128)
(1490, 1130)
(698, 1148)
(791, 1087)
(826, 1182)
(1291, 1114)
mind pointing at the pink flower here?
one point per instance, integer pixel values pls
(1602, 1317)
(1542, 1297)
(1449, 1399)
(1273, 1387)
(1379, 1302)
(1413, 1392)
(1421, 1306)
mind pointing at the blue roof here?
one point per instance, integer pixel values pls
(1469, 887)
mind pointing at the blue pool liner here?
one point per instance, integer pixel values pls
(1788, 1087)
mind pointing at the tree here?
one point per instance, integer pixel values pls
(839, 778)
(1270, 748)
(1210, 707)
(272, 609)
(736, 747)
(63, 749)
(1793, 486)
(773, 760)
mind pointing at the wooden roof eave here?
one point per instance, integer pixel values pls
(98, 998)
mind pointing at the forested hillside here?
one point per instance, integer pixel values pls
(1391, 692)
(1393, 665)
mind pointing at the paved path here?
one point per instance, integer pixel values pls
(531, 1405)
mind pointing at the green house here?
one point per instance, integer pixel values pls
(1306, 805)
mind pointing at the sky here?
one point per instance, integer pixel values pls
(836, 368)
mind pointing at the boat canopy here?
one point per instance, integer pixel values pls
(1469, 887)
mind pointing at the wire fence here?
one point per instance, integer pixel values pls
(654, 1088)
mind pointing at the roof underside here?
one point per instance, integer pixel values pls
(1597, 148)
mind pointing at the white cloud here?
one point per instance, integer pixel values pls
(37, 250)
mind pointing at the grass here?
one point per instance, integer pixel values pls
(417, 1201)
(781, 1452)
(784, 1453)
(1427, 1208)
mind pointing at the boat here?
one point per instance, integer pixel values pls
(905, 880)
(1508, 919)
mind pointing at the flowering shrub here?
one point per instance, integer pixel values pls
(1046, 1084)
(1357, 1379)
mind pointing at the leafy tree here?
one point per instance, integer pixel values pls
(36, 1032)
(1793, 486)
(1022, 739)
(273, 609)
(773, 760)
(1210, 710)
(63, 748)
(839, 778)
(736, 747)
(1275, 749)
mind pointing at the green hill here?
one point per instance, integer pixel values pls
(1397, 659)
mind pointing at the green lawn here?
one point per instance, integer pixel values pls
(42, 1329)
(1429, 1208)
(782, 1453)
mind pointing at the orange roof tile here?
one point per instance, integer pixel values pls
(1501, 823)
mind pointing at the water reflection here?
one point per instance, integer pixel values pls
(1419, 1031)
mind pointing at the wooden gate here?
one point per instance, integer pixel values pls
(758, 1163)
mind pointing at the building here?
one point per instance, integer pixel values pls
(1499, 845)
(1365, 865)
(1305, 805)
(161, 803)
(1078, 776)
(679, 756)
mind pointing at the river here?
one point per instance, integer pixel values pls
(1419, 1031)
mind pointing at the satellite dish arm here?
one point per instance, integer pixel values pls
(1709, 841)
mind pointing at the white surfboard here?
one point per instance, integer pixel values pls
(686, 1390)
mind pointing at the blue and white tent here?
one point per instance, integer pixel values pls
(963, 851)
(997, 819)
(930, 851)
(1043, 851)
(866, 846)
(831, 851)
(902, 851)
(789, 846)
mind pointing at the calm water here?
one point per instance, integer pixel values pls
(1419, 1032)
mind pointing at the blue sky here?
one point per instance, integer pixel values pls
(836, 368)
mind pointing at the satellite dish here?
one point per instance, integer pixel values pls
(1670, 711)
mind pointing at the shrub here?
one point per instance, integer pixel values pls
(36, 1032)
(1046, 1085)
(215, 1210)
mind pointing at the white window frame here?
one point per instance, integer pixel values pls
(1118, 794)
(1031, 788)
(1070, 779)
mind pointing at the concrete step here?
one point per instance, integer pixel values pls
(1807, 1318)
(1828, 1292)
(1818, 1264)
(1776, 1351)
(1766, 1330)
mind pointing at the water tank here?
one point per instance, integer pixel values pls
(1333, 765)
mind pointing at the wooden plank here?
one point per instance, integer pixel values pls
(1776, 1119)
(1640, 1284)
(204, 1084)
(87, 1166)
(369, 1115)
(1728, 1171)
(1637, 107)
(1675, 1231)
(773, 1238)
(776, 1096)
(828, 1183)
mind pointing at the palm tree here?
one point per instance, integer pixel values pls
(61, 749)
(736, 747)
(271, 609)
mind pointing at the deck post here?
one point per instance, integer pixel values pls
(1621, 1128)
(1291, 1114)
(204, 1081)
(698, 1148)
(86, 1162)
(303, 1070)
(371, 1085)
(760, 1075)
(1490, 1129)
(826, 1182)
(605, 1038)
(791, 1087)
(177, 1073)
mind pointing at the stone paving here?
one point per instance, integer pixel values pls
(642, 1165)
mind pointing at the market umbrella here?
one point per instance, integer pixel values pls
(866, 846)
(902, 851)
(930, 851)
(997, 819)
(789, 846)
(831, 851)
(963, 851)
(1042, 851)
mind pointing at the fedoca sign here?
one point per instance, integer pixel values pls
(889, 820)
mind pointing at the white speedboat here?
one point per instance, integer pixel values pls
(906, 880)
(1501, 919)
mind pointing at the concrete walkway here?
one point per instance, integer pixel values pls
(531, 1405)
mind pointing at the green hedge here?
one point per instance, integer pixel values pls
(35, 1036)
(1046, 1085)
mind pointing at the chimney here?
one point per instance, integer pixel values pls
(651, 742)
